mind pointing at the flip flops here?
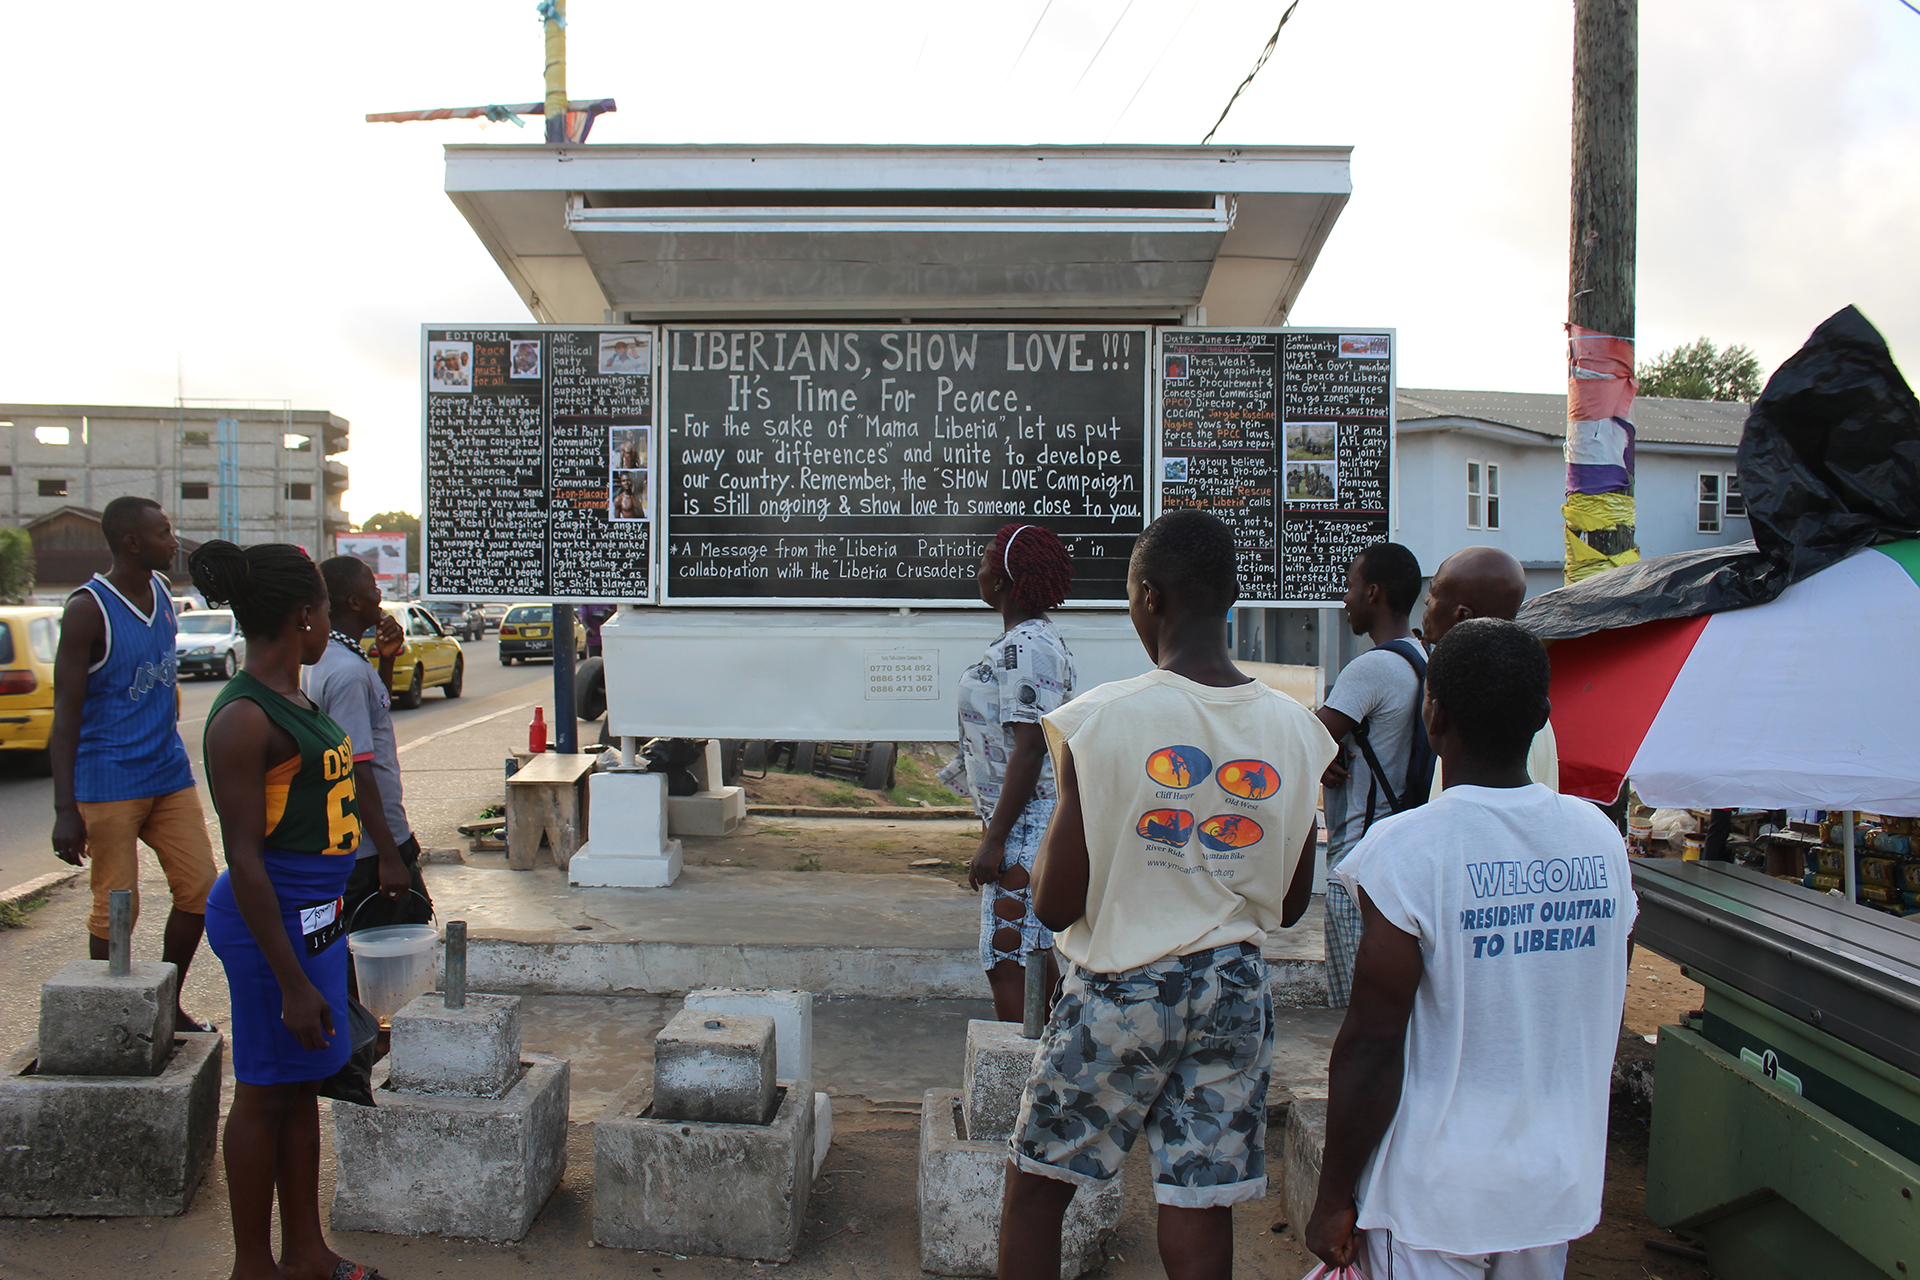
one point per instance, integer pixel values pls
(345, 1270)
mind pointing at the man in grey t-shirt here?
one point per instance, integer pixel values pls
(351, 689)
(1380, 690)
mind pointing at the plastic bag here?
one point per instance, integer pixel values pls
(1325, 1272)
(353, 1082)
(1829, 463)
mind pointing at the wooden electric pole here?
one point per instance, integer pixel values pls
(1600, 290)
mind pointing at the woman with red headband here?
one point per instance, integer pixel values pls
(1025, 673)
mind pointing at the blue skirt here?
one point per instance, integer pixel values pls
(309, 886)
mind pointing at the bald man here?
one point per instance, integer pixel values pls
(1484, 582)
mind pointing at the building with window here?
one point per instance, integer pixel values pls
(1488, 467)
(249, 472)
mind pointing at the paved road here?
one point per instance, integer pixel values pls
(26, 802)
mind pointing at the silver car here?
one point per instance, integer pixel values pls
(209, 643)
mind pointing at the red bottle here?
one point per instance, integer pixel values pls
(537, 732)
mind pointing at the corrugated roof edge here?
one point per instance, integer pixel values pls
(1657, 419)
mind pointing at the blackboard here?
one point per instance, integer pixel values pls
(870, 465)
(1287, 435)
(538, 463)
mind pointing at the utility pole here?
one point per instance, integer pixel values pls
(553, 16)
(1600, 385)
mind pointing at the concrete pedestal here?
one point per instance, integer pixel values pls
(999, 1060)
(631, 848)
(473, 1051)
(92, 1024)
(962, 1183)
(713, 812)
(416, 1164)
(714, 1068)
(736, 1190)
(109, 1146)
(792, 1014)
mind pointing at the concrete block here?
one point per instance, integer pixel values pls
(999, 1060)
(792, 1014)
(481, 1168)
(109, 1146)
(707, 770)
(735, 1190)
(961, 1185)
(707, 813)
(630, 848)
(822, 1130)
(95, 1025)
(473, 1051)
(714, 1067)
(1300, 1150)
(593, 868)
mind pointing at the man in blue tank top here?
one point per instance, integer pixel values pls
(120, 772)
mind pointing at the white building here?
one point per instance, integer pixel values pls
(1487, 468)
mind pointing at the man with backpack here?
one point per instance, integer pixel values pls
(1373, 712)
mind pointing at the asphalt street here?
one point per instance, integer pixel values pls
(26, 801)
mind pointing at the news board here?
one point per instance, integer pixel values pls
(538, 461)
(868, 465)
(1287, 435)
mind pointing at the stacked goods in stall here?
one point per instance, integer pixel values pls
(1886, 861)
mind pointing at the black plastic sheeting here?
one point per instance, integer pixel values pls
(1829, 463)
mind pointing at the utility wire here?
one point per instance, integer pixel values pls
(1258, 63)
(1030, 35)
(1155, 67)
(1102, 49)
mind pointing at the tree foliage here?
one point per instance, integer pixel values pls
(398, 522)
(16, 566)
(1700, 371)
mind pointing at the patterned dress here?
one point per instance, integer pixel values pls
(1023, 675)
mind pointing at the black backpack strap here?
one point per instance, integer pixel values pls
(1418, 661)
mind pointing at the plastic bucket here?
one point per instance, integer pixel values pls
(393, 963)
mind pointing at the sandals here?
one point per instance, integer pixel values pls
(345, 1270)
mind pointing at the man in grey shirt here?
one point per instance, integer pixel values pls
(1381, 690)
(350, 688)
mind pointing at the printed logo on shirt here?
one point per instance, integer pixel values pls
(1517, 880)
(1225, 831)
(1248, 779)
(1179, 768)
(1166, 826)
(322, 924)
(152, 675)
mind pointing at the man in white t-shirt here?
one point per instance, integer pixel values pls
(1183, 834)
(1467, 1098)
(1485, 582)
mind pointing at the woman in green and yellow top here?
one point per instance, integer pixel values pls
(281, 773)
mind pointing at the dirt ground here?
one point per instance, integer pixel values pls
(1657, 993)
(851, 844)
(861, 1225)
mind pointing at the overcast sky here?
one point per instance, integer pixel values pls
(194, 189)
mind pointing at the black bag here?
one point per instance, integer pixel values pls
(674, 757)
(353, 1082)
(1420, 760)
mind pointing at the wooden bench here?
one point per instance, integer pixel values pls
(548, 796)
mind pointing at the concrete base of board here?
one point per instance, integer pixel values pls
(888, 935)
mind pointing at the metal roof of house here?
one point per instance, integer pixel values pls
(1656, 419)
(709, 232)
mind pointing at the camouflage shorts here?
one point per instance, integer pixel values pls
(1182, 1048)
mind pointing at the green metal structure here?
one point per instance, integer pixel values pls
(1786, 1117)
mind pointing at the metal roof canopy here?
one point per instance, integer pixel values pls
(650, 233)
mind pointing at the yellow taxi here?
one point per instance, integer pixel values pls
(28, 638)
(431, 659)
(527, 632)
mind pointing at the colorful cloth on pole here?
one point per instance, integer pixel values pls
(1778, 705)
(1600, 391)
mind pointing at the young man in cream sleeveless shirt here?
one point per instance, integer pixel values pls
(1183, 834)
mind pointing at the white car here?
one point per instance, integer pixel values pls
(209, 643)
